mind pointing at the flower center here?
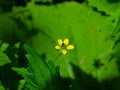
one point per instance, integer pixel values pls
(63, 46)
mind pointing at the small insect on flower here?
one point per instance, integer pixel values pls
(64, 46)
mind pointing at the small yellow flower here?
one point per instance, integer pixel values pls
(64, 46)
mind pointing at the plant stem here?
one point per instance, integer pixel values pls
(57, 56)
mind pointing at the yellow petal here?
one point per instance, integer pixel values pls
(66, 41)
(69, 47)
(64, 51)
(60, 42)
(57, 47)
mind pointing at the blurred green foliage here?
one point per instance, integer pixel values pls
(92, 26)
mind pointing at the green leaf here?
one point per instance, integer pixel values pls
(107, 6)
(86, 29)
(21, 71)
(4, 59)
(21, 85)
(39, 75)
(7, 30)
(1, 87)
(4, 47)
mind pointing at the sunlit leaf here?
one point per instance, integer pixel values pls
(86, 29)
